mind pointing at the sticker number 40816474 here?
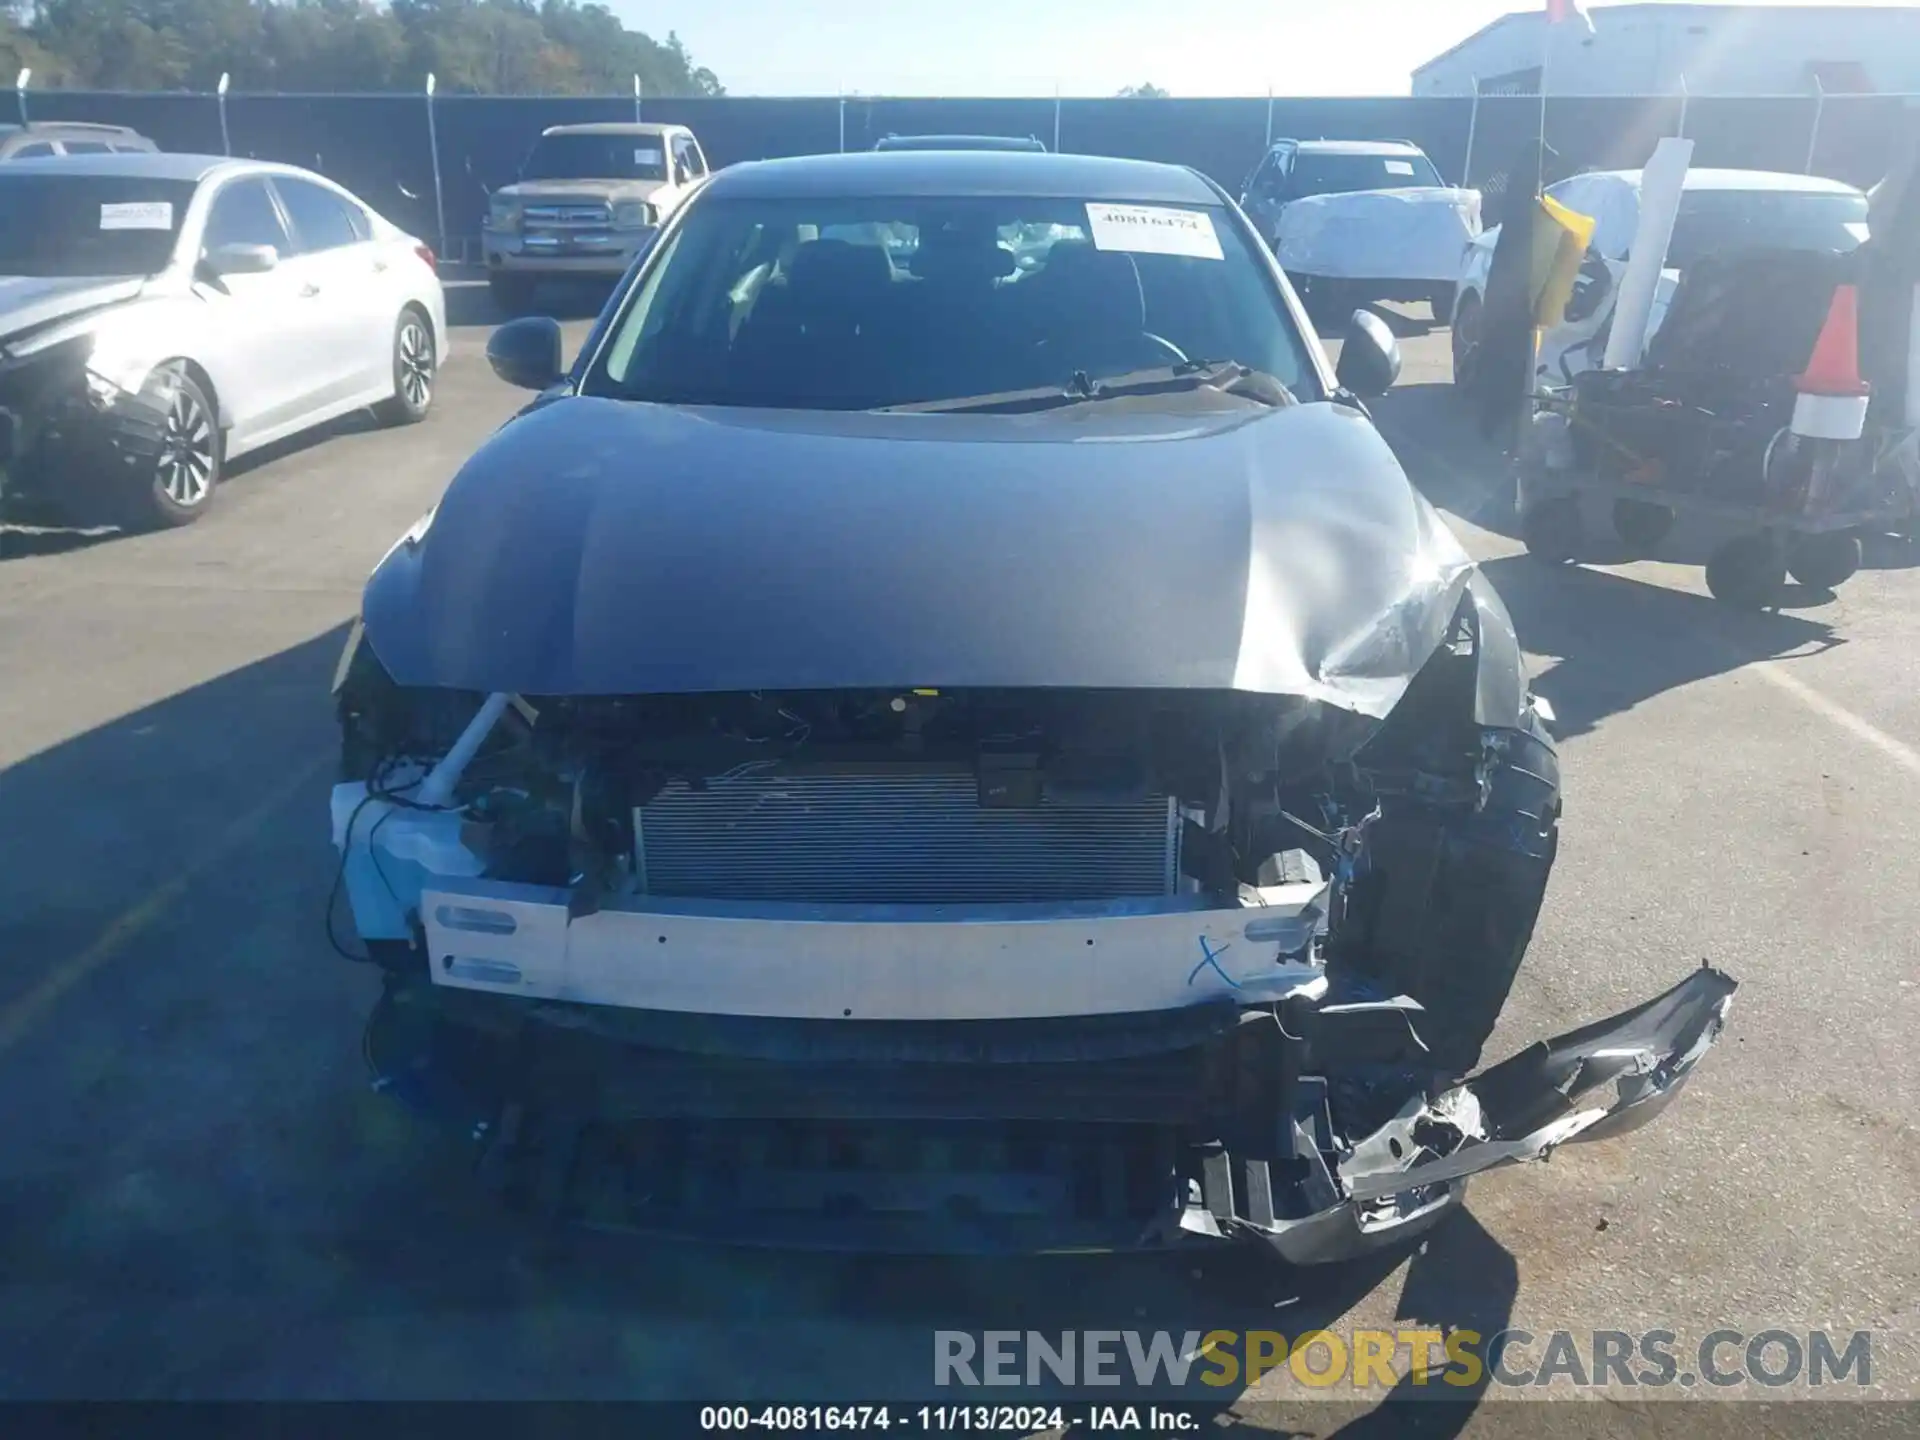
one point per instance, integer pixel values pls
(1154, 230)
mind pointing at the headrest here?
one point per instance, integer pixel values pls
(837, 269)
(1082, 278)
(962, 255)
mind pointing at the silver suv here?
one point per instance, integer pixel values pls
(70, 137)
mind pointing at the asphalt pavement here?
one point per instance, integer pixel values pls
(200, 1196)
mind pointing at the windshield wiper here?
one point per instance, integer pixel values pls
(1227, 376)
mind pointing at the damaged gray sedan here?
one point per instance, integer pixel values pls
(902, 748)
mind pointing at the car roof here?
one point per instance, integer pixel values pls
(961, 142)
(156, 165)
(1358, 147)
(934, 173)
(613, 127)
(1708, 178)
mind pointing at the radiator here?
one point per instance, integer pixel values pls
(897, 836)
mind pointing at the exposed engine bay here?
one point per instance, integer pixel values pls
(928, 969)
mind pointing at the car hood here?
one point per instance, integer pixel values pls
(28, 302)
(601, 547)
(535, 192)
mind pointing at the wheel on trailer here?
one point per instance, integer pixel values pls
(1747, 572)
(1824, 562)
(1640, 523)
(1553, 530)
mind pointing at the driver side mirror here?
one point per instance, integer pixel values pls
(1369, 357)
(528, 352)
(225, 260)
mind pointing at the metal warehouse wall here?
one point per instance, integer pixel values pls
(378, 145)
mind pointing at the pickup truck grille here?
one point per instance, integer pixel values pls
(563, 216)
(904, 837)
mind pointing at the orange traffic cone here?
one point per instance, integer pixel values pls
(1835, 366)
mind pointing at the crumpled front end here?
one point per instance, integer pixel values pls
(72, 423)
(979, 970)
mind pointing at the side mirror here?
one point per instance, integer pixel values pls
(225, 260)
(1590, 289)
(1369, 356)
(528, 352)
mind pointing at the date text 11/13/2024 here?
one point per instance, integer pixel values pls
(951, 1419)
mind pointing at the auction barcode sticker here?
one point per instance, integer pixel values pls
(1154, 230)
(137, 215)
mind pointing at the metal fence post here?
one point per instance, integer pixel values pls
(20, 83)
(1269, 118)
(1473, 127)
(843, 122)
(433, 143)
(1819, 112)
(636, 99)
(1685, 94)
(220, 92)
(1056, 117)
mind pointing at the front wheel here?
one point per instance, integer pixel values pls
(177, 486)
(415, 364)
(1466, 347)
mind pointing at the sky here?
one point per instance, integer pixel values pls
(1080, 47)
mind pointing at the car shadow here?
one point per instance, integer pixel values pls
(207, 1200)
(28, 531)
(1612, 643)
(471, 304)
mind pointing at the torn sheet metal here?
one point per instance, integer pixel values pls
(1601, 1081)
(595, 547)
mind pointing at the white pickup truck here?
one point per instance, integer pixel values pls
(1355, 221)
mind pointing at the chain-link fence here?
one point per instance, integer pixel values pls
(383, 147)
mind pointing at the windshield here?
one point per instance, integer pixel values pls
(1318, 173)
(88, 224)
(597, 157)
(1715, 220)
(842, 304)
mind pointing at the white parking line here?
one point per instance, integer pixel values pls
(1902, 754)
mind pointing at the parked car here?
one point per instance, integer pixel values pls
(1720, 211)
(44, 139)
(587, 198)
(961, 142)
(162, 315)
(939, 756)
(1357, 221)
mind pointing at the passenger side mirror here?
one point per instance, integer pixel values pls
(1590, 289)
(528, 352)
(225, 260)
(1369, 356)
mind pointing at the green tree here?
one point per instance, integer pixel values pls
(1143, 92)
(512, 47)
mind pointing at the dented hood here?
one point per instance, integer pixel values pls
(601, 547)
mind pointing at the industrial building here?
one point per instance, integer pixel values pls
(1704, 49)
